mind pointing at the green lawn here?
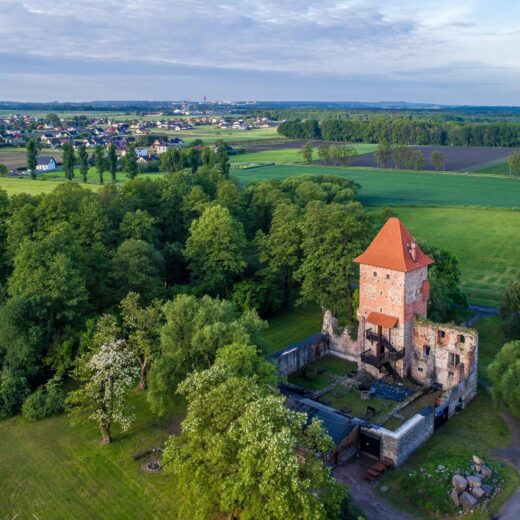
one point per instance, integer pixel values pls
(51, 469)
(486, 242)
(290, 326)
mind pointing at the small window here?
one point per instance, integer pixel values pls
(461, 338)
(419, 369)
(441, 335)
(450, 375)
(388, 277)
(453, 360)
(380, 309)
(375, 274)
(380, 293)
(426, 350)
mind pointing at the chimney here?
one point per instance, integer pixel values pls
(413, 250)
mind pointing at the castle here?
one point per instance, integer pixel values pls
(395, 341)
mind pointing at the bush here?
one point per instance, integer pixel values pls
(46, 401)
(13, 390)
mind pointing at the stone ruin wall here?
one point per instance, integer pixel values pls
(430, 363)
(293, 359)
(340, 341)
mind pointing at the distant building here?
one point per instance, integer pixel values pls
(45, 163)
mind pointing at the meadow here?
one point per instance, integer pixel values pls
(408, 188)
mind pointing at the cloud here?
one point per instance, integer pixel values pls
(234, 43)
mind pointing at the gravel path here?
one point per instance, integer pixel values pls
(511, 454)
(362, 491)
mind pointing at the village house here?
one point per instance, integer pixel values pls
(45, 164)
(407, 358)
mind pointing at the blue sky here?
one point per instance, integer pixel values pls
(457, 51)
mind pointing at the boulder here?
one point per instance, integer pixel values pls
(467, 501)
(474, 481)
(455, 497)
(478, 492)
(440, 467)
(459, 483)
(488, 490)
(477, 468)
(477, 460)
(486, 471)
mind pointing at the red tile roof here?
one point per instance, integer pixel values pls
(383, 320)
(391, 249)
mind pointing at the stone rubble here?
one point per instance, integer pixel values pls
(468, 490)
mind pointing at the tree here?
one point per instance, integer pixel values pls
(108, 375)
(131, 162)
(332, 236)
(324, 153)
(307, 152)
(510, 307)
(194, 331)
(513, 162)
(504, 374)
(223, 163)
(400, 155)
(32, 154)
(112, 162)
(438, 160)
(83, 162)
(215, 250)
(53, 119)
(3, 170)
(280, 249)
(242, 453)
(444, 277)
(68, 161)
(138, 267)
(343, 154)
(100, 162)
(383, 154)
(142, 326)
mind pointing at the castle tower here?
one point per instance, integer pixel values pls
(393, 287)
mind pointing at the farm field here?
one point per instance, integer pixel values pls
(486, 242)
(282, 153)
(458, 158)
(406, 188)
(16, 157)
(494, 168)
(51, 469)
(209, 134)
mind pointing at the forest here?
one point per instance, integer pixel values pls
(406, 131)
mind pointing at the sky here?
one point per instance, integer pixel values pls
(449, 52)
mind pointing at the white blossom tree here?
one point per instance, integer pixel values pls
(109, 374)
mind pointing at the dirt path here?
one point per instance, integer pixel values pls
(511, 509)
(374, 506)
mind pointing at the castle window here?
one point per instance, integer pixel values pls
(426, 350)
(453, 360)
(388, 277)
(419, 369)
(441, 335)
(381, 293)
(461, 338)
(380, 309)
(375, 274)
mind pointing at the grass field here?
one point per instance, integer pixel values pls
(51, 469)
(494, 168)
(486, 242)
(286, 155)
(209, 134)
(405, 188)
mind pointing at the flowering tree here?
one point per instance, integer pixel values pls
(108, 374)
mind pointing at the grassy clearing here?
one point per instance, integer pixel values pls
(209, 134)
(486, 242)
(406, 188)
(290, 326)
(491, 338)
(54, 470)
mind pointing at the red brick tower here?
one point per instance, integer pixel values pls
(393, 287)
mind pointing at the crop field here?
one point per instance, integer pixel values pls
(209, 134)
(406, 188)
(458, 158)
(16, 157)
(486, 242)
(499, 167)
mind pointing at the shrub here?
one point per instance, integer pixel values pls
(13, 390)
(47, 400)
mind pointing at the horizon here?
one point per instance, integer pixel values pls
(304, 50)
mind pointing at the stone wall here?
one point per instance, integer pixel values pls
(399, 445)
(445, 355)
(292, 358)
(340, 341)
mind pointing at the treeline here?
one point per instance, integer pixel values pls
(404, 131)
